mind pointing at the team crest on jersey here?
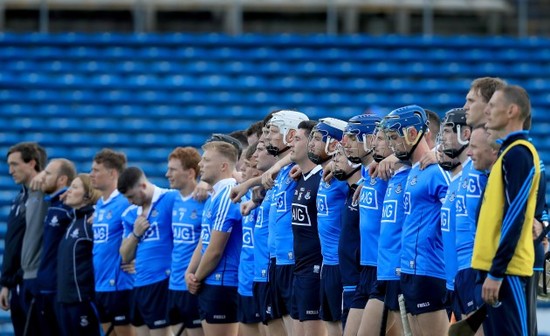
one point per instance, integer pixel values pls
(452, 197)
(398, 189)
(54, 221)
(372, 181)
(464, 183)
(154, 213)
(109, 214)
(75, 233)
(209, 214)
(101, 214)
(290, 255)
(84, 321)
(194, 214)
(307, 195)
(325, 184)
(414, 180)
(288, 180)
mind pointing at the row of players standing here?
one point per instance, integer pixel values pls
(296, 254)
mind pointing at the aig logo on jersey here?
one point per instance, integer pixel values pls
(260, 218)
(389, 211)
(367, 198)
(281, 201)
(322, 205)
(300, 215)
(474, 188)
(461, 206)
(205, 234)
(183, 233)
(101, 233)
(248, 238)
(407, 203)
(152, 232)
(445, 217)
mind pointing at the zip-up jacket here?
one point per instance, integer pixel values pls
(75, 267)
(11, 264)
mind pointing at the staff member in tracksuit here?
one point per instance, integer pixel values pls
(75, 269)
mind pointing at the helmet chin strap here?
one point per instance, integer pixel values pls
(407, 156)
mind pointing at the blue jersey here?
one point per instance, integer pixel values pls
(261, 233)
(370, 213)
(331, 199)
(246, 264)
(421, 245)
(391, 226)
(468, 195)
(108, 232)
(220, 214)
(186, 232)
(154, 251)
(280, 216)
(58, 218)
(448, 229)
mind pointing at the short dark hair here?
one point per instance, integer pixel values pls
(30, 151)
(255, 128)
(111, 159)
(240, 136)
(189, 158)
(268, 117)
(129, 178)
(307, 126)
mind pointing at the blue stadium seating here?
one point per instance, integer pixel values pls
(145, 94)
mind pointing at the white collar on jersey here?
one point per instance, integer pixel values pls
(312, 172)
(222, 184)
(114, 194)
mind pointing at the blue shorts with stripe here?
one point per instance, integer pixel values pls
(510, 315)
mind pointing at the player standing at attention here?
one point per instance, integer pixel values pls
(422, 266)
(213, 271)
(182, 173)
(113, 284)
(331, 196)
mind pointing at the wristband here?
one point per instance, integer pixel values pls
(136, 236)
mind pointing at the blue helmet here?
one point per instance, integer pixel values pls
(362, 125)
(330, 128)
(403, 118)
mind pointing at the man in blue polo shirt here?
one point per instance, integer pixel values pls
(213, 270)
(148, 240)
(113, 283)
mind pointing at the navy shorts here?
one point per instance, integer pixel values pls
(451, 305)
(218, 304)
(305, 301)
(183, 307)
(331, 293)
(78, 319)
(149, 305)
(281, 290)
(262, 299)
(114, 307)
(248, 311)
(393, 289)
(423, 294)
(465, 284)
(367, 288)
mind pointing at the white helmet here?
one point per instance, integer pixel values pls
(286, 120)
